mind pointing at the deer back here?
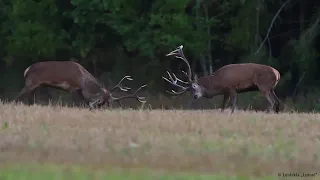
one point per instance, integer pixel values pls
(240, 76)
(64, 74)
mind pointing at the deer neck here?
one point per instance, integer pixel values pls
(89, 82)
(209, 85)
(206, 93)
(210, 92)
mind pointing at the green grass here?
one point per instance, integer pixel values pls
(63, 172)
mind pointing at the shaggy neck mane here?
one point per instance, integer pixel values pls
(206, 81)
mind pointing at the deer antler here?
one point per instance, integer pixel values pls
(119, 85)
(186, 74)
(134, 96)
(178, 52)
(174, 81)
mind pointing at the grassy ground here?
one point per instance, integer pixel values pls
(68, 143)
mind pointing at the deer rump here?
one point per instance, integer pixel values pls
(228, 81)
(72, 77)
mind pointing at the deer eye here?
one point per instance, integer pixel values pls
(193, 86)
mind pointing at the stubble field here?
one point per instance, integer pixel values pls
(52, 142)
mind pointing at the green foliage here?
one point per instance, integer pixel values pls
(244, 26)
(35, 29)
(5, 125)
(83, 44)
(305, 52)
(165, 26)
(132, 36)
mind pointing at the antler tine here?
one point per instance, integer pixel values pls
(186, 61)
(139, 89)
(174, 52)
(120, 104)
(174, 81)
(134, 95)
(119, 85)
(139, 98)
(185, 73)
(173, 92)
(179, 52)
(177, 79)
(170, 77)
(176, 94)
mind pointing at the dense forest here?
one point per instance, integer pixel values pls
(113, 38)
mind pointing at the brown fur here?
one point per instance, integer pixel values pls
(240, 78)
(232, 79)
(68, 76)
(53, 73)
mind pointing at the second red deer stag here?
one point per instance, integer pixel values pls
(228, 81)
(72, 77)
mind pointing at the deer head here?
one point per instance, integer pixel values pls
(191, 85)
(108, 97)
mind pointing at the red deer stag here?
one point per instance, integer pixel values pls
(228, 81)
(72, 77)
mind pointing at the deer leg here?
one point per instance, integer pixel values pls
(88, 98)
(80, 98)
(99, 102)
(23, 92)
(276, 101)
(45, 91)
(26, 90)
(49, 95)
(233, 95)
(226, 98)
(270, 99)
(31, 98)
(93, 100)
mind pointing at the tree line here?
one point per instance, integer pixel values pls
(112, 38)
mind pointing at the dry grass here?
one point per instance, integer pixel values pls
(242, 143)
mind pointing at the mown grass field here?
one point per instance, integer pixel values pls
(52, 142)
